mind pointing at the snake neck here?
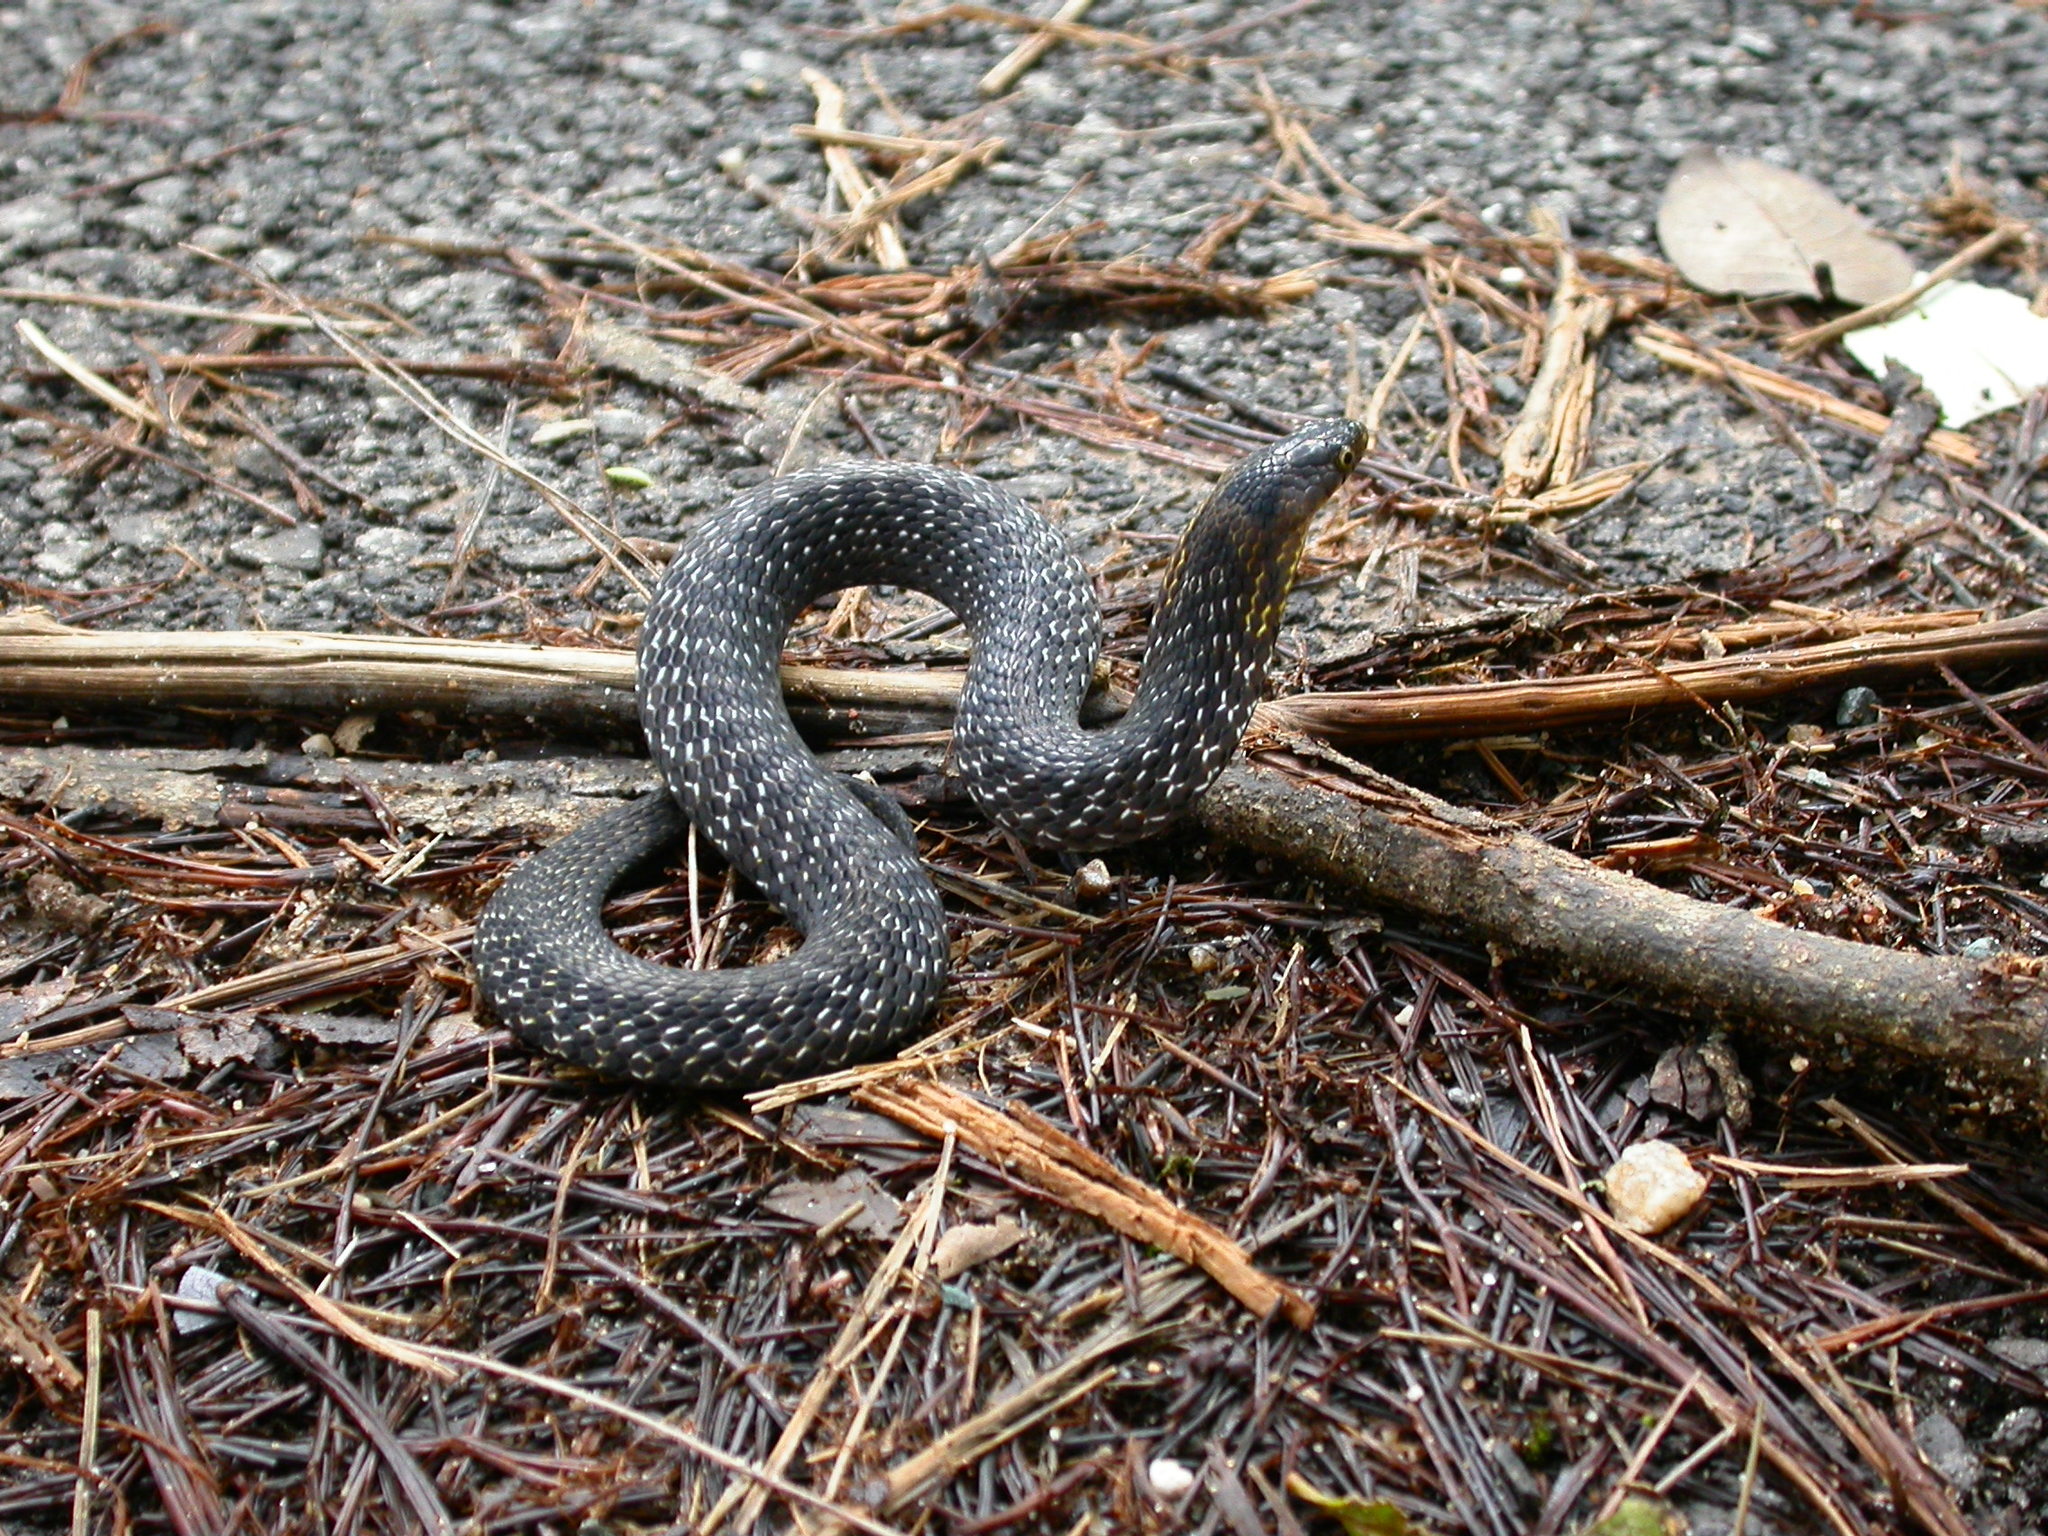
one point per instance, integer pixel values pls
(1213, 634)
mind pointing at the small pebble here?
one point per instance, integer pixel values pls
(1651, 1185)
(319, 744)
(1170, 1478)
(621, 426)
(200, 1284)
(1202, 959)
(1092, 880)
(561, 431)
(1858, 707)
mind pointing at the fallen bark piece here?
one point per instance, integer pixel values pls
(1982, 1023)
(541, 797)
(1038, 1152)
(1546, 445)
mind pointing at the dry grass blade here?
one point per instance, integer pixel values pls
(1482, 709)
(745, 1504)
(1682, 352)
(1015, 64)
(220, 1225)
(880, 233)
(393, 376)
(458, 1360)
(257, 319)
(1044, 1394)
(86, 379)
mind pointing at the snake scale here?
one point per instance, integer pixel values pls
(827, 850)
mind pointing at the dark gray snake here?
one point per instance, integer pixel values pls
(821, 849)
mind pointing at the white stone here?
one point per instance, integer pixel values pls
(1170, 1478)
(1651, 1185)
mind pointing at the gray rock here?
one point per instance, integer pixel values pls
(275, 262)
(175, 192)
(564, 552)
(619, 426)
(1941, 1442)
(389, 546)
(142, 530)
(67, 550)
(159, 226)
(291, 549)
(2028, 1354)
(1858, 706)
(260, 464)
(2018, 1429)
(1042, 487)
(39, 223)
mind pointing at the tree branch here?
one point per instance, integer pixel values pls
(1983, 1024)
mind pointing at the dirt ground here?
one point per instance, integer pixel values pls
(1160, 261)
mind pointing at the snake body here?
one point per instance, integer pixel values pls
(873, 959)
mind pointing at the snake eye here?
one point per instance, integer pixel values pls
(1346, 459)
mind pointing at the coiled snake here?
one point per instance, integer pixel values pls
(818, 845)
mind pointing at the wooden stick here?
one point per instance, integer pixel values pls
(1982, 1024)
(41, 659)
(1031, 1148)
(1515, 707)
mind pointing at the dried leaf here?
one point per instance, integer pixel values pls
(963, 1247)
(336, 1028)
(1682, 1080)
(215, 1040)
(24, 1005)
(1736, 225)
(852, 1202)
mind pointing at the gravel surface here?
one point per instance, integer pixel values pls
(443, 118)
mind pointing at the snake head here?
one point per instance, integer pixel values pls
(1282, 486)
(1236, 561)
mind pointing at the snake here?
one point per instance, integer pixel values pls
(835, 855)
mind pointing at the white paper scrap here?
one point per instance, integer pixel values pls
(1977, 349)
